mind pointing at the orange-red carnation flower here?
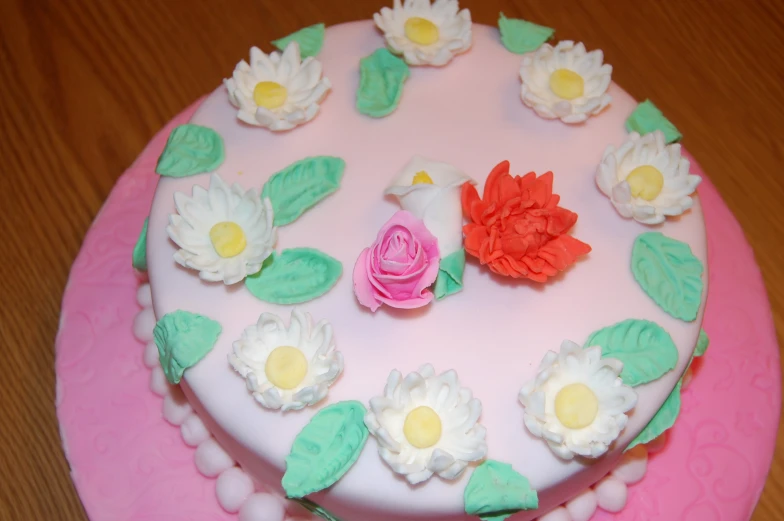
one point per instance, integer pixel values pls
(517, 228)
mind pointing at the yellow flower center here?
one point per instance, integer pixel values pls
(567, 84)
(228, 239)
(270, 95)
(645, 182)
(286, 367)
(422, 178)
(422, 427)
(576, 406)
(421, 31)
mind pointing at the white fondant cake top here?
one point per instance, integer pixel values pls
(494, 333)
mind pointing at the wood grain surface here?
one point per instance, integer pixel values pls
(86, 83)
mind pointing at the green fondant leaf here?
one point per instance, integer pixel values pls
(647, 118)
(663, 420)
(316, 509)
(183, 338)
(191, 149)
(702, 343)
(450, 274)
(325, 449)
(301, 185)
(520, 36)
(139, 258)
(310, 40)
(294, 276)
(496, 491)
(646, 350)
(381, 78)
(669, 273)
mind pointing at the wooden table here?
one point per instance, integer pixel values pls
(86, 83)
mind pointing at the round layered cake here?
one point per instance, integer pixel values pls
(426, 270)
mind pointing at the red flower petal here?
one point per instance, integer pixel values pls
(559, 221)
(468, 196)
(517, 228)
(542, 190)
(492, 190)
(563, 251)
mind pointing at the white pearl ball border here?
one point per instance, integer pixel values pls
(234, 488)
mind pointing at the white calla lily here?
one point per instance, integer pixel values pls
(430, 190)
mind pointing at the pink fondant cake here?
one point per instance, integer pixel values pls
(299, 307)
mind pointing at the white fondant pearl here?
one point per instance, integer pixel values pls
(176, 407)
(151, 355)
(583, 507)
(143, 325)
(611, 494)
(657, 444)
(193, 431)
(632, 466)
(559, 514)
(144, 296)
(211, 459)
(232, 488)
(158, 382)
(262, 507)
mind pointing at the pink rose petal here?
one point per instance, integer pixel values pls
(399, 267)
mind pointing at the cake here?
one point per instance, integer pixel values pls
(424, 270)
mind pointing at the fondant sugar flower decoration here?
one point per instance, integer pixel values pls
(565, 82)
(287, 368)
(399, 267)
(430, 190)
(277, 91)
(517, 228)
(425, 33)
(647, 180)
(224, 232)
(426, 424)
(577, 403)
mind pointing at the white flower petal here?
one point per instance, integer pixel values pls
(250, 352)
(650, 149)
(306, 88)
(577, 365)
(462, 439)
(454, 30)
(535, 71)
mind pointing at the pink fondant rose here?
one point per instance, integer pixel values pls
(399, 267)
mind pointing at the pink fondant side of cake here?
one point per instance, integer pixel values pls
(474, 124)
(130, 465)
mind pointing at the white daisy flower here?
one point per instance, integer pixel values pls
(287, 368)
(427, 424)
(431, 191)
(646, 179)
(224, 233)
(565, 82)
(425, 34)
(577, 402)
(277, 91)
